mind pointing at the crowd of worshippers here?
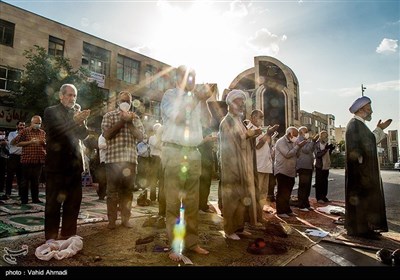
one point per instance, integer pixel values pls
(247, 154)
(176, 161)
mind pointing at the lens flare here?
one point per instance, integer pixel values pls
(186, 134)
(126, 172)
(136, 103)
(247, 201)
(178, 242)
(184, 169)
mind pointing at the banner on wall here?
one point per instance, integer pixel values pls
(10, 116)
(98, 78)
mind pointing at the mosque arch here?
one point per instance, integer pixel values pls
(273, 88)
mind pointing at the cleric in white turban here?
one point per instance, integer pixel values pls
(359, 103)
(364, 196)
(234, 94)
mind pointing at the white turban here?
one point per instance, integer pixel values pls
(234, 94)
(359, 103)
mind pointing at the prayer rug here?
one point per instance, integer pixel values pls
(103, 247)
(17, 218)
(389, 240)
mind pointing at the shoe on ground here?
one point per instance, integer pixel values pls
(384, 256)
(232, 236)
(326, 199)
(283, 215)
(267, 209)
(111, 225)
(243, 233)
(292, 214)
(37, 201)
(304, 209)
(320, 201)
(127, 224)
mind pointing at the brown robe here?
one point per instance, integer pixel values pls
(237, 175)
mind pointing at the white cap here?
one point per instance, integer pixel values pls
(234, 94)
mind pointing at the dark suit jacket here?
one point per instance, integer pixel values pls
(62, 139)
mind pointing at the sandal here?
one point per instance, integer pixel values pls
(145, 240)
(339, 221)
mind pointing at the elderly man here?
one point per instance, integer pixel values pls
(322, 155)
(237, 168)
(263, 155)
(286, 149)
(65, 126)
(33, 142)
(365, 202)
(304, 167)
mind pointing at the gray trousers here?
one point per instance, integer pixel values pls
(182, 170)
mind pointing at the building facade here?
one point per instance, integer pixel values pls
(316, 122)
(113, 67)
(392, 146)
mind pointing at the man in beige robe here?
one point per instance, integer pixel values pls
(237, 170)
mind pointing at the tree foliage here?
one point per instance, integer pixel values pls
(42, 78)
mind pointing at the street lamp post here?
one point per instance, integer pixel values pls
(363, 88)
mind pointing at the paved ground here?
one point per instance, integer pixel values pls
(322, 254)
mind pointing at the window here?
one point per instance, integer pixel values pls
(96, 59)
(9, 79)
(7, 33)
(56, 46)
(393, 135)
(307, 120)
(128, 69)
(153, 80)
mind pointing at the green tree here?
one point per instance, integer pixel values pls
(337, 157)
(42, 78)
(342, 146)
